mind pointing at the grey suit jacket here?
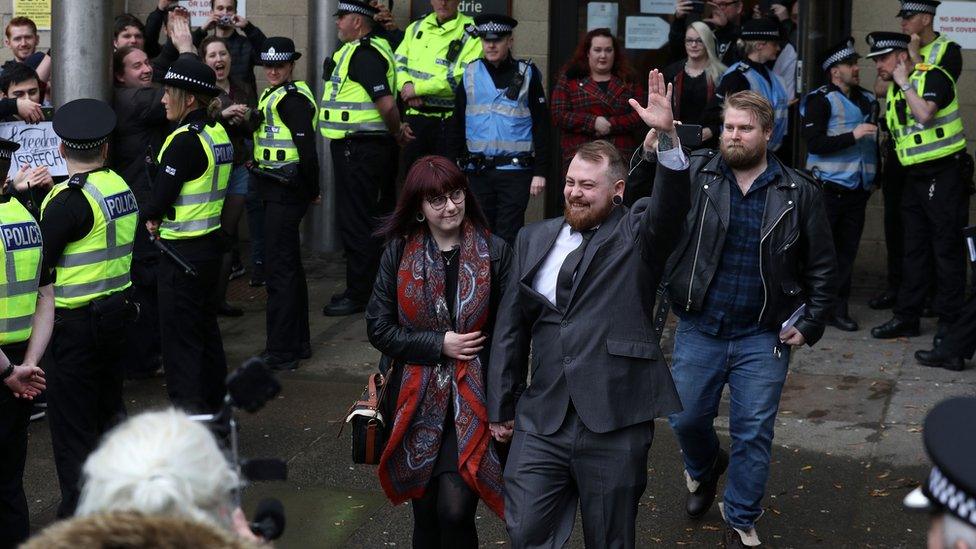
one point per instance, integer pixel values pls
(600, 352)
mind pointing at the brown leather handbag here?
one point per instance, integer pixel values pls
(371, 419)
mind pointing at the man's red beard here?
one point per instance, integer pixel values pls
(739, 157)
(587, 217)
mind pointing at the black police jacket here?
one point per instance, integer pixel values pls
(407, 345)
(797, 258)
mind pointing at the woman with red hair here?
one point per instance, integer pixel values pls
(590, 99)
(433, 306)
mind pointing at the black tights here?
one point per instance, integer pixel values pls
(444, 517)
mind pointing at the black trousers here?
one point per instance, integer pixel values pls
(935, 206)
(287, 314)
(546, 475)
(845, 213)
(84, 374)
(503, 196)
(14, 418)
(892, 188)
(193, 353)
(142, 338)
(431, 134)
(961, 338)
(365, 178)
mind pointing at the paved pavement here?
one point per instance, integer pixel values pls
(847, 447)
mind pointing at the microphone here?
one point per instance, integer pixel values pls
(269, 519)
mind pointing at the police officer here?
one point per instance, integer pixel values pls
(926, 45)
(88, 224)
(184, 212)
(762, 45)
(284, 144)
(843, 151)
(948, 495)
(922, 114)
(27, 299)
(359, 115)
(429, 63)
(501, 128)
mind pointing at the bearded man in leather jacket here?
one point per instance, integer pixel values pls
(750, 278)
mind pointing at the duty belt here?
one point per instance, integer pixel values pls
(480, 162)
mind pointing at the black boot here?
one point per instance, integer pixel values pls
(700, 501)
(842, 320)
(938, 359)
(896, 327)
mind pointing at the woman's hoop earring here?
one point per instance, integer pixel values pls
(420, 217)
(617, 200)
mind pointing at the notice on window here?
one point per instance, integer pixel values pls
(200, 11)
(663, 7)
(957, 20)
(39, 11)
(602, 15)
(645, 33)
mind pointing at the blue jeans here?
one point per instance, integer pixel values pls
(703, 365)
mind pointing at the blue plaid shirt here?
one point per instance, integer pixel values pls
(735, 298)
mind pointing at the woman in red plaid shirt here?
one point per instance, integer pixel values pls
(590, 99)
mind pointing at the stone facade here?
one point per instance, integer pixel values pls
(288, 18)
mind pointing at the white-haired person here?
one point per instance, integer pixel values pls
(694, 80)
(163, 463)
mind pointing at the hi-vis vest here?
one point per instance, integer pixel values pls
(854, 167)
(933, 52)
(494, 124)
(20, 269)
(98, 264)
(916, 143)
(197, 208)
(346, 106)
(422, 58)
(775, 92)
(273, 144)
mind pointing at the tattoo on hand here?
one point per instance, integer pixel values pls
(664, 142)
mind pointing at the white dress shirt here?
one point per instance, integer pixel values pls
(545, 280)
(570, 239)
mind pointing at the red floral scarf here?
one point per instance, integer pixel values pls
(425, 391)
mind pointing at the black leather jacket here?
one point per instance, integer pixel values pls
(797, 259)
(404, 344)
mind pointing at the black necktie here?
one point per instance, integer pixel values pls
(564, 280)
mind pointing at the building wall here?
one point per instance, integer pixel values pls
(879, 15)
(288, 18)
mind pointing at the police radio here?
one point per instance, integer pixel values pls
(512, 92)
(875, 113)
(453, 50)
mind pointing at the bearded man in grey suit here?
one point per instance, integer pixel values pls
(581, 293)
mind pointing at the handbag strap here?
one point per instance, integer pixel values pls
(373, 395)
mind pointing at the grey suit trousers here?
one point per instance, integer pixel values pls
(546, 475)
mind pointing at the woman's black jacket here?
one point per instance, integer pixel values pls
(407, 345)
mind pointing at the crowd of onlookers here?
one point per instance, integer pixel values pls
(430, 265)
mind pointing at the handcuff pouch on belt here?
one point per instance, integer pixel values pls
(285, 176)
(477, 163)
(112, 314)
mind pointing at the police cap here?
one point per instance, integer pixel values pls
(355, 6)
(840, 53)
(278, 50)
(193, 76)
(760, 29)
(885, 42)
(950, 442)
(84, 124)
(494, 26)
(911, 7)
